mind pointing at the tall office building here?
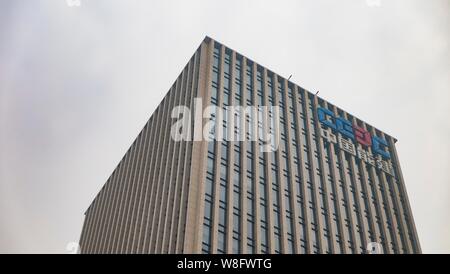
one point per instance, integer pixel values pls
(330, 183)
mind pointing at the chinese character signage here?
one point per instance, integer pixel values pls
(355, 140)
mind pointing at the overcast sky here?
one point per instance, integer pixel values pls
(77, 84)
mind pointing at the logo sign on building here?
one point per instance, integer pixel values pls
(355, 140)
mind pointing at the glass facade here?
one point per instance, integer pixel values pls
(306, 196)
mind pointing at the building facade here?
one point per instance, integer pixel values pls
(331, 184)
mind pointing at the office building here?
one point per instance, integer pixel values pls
(331, 183)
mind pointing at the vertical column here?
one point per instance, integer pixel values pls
(279, 97)
(195, 191)
(140, 190)
(100, 204)
(147, 183)
(157, 221)
(340, 212)
(169, 176)
(325, 210)
(355, 193)
(231, 152)
(401, 191)
(99, 226)
(390, 241)
(380, 220)
(269, 199)
(145, 238)
(309, 116)
(352, 241)
(244, 145)
(124, 166)
(301, 102)
(255, 143)
(292, 225)
(84, 241)
(185, 181)
(218, 149)
(135, 184)
(177, 171)
(128, 181)
(104, 223)
(157, 189)
(398, 215)
(369, 211)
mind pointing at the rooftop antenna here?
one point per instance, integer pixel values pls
(289, 77)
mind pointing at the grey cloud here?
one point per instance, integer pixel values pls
(77, 85)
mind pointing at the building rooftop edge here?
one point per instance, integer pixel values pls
(207, 39)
